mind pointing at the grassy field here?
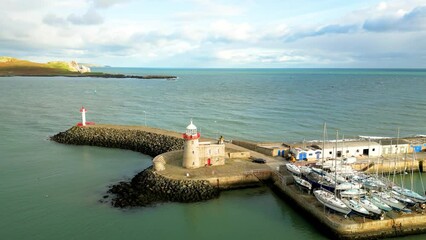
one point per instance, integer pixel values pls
(16, 67)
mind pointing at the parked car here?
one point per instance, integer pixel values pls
(258, 160)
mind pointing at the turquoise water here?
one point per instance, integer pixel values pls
(51, 191)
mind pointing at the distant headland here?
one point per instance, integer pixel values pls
(10, 67)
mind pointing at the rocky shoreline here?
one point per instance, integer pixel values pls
(146, 188)
(93, 75)
(148, 143)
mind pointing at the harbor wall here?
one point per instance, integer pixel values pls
(339, 227)
(148, 188)
(255, 147)
(386, 166)
(146, 142)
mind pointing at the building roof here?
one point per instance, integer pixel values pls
(332, 144)
(392, 141)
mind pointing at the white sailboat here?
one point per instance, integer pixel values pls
(348, 185)
(302, 182)
(367, 204)
(355, 192)
(392, 202)
(330, 200)
(379, 203)
(356, 207)
(409, 193)
(293, 168)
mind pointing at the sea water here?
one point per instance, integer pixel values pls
(52, 191)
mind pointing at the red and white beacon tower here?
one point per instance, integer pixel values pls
(83, 122)
(83, 116)
(191, 158)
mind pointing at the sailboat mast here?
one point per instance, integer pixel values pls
(323, 143)
(337, 137)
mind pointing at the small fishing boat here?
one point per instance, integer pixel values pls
(411, 194)
(330, 200)
(303, 183)
(356, 207)
(292, 168)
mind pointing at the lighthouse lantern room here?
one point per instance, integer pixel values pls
(191, 151)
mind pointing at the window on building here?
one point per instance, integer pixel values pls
(330, 152)
(374, 149)
(357, 150)
(347, 151)
(310, 154)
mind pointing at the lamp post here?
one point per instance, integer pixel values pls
(144, 116)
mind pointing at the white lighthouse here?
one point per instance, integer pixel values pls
(83, 116)
(191, 157)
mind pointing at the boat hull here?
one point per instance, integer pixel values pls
(332, 202)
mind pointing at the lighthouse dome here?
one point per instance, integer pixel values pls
(191, 129)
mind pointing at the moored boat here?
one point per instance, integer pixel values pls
(303, 183)
(356, 207)
(404, 199)
(379, 203)
(355, 192)
(411, 194)
(319, 181)
(329, 200)
(348, 185)
(392, 202)
(367, 204)
(293, 168)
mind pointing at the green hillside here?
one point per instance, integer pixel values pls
(16, 67)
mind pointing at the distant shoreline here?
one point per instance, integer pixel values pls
(93, 74)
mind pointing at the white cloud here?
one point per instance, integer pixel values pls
(228, 31)
(107, 3)
(220, 33)
(259, 55)
(91, 17)
(209, 9)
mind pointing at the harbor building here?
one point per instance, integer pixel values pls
(341, 149)
(199, 154)
(417, 144)
(391, 146)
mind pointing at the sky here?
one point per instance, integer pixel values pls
(217, 33)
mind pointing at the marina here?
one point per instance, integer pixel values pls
(52, 190)
(355, 204)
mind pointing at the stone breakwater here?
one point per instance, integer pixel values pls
(148, 188)
(145, 142)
